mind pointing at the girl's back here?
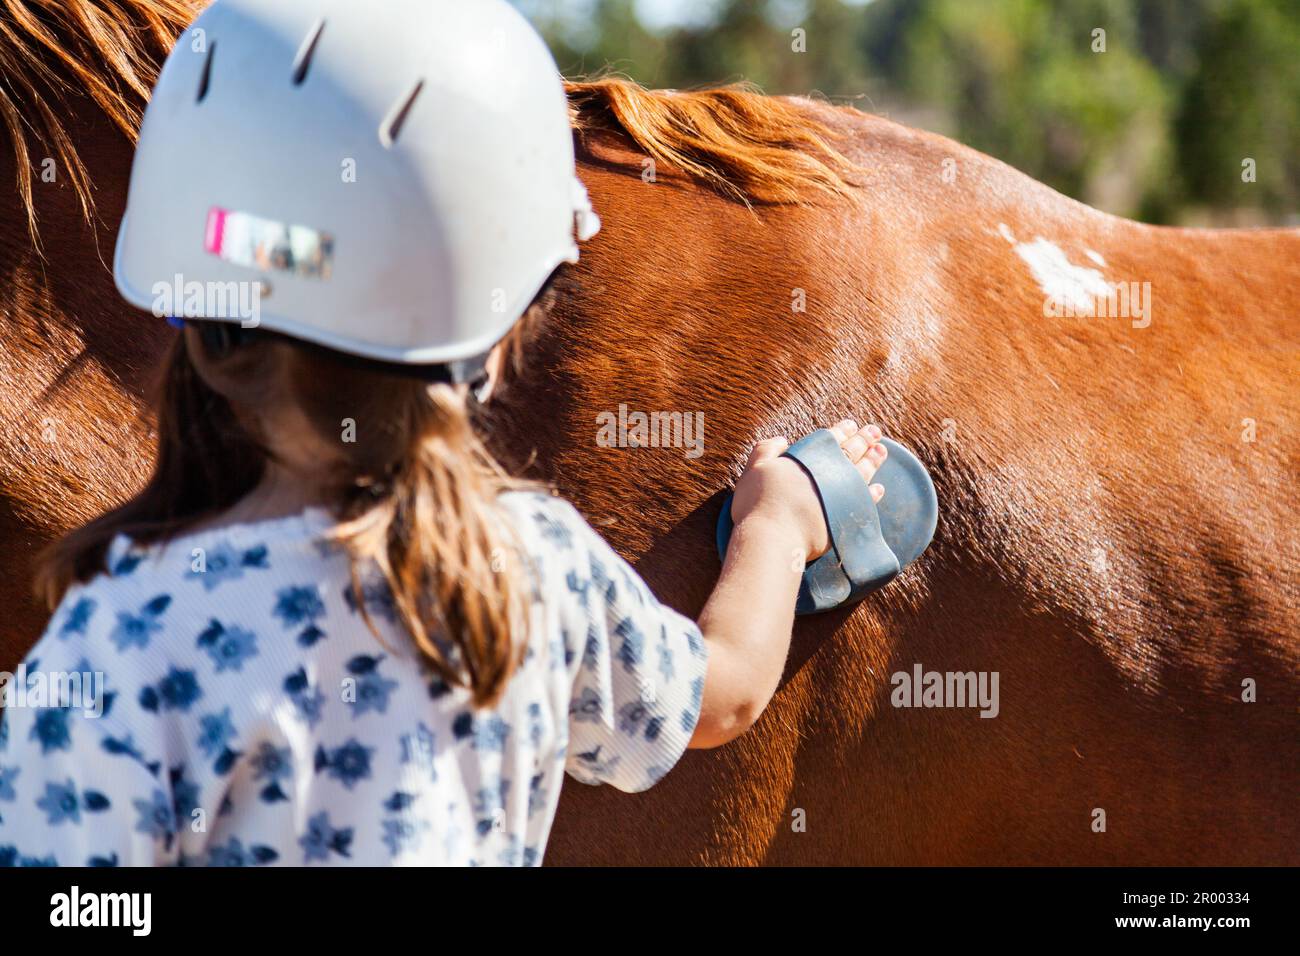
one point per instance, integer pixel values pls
(250, 716)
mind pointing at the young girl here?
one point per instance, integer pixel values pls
(330, 629)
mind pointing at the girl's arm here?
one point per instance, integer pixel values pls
(747, 622)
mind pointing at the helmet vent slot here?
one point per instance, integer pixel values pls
(206, 76)
(302, 62)
(392, 124)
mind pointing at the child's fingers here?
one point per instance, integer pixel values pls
(871, 461)
(767, 449)
(842, 430)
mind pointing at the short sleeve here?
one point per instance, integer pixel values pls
(637, 665)
(73, 792)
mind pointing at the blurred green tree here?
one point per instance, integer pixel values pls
(1244, 103)
(1155, 124)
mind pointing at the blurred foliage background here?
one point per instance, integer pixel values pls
(1156, 127)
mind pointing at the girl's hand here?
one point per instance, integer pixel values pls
(778, 489)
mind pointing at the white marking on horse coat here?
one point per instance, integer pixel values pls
(1060, 280)
(1096, 257)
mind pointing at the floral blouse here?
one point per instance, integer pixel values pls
(220, 700)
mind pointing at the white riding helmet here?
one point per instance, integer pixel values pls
(393, 180)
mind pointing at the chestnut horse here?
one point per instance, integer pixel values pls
(1116, 541)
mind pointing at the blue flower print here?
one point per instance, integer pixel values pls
(51, 729)
(298, 604)
(562, 653)
(215, 731)
(128, 562)
(322, 839)
(177, 691)
(593, 767)
(10, 857)
(418, 749)
(234, 854)
(554, 531)
(185, 796)
(666, 661)
(632, 649)
(400, 800)
(78, 617)
(374, 596)
(438, 687)
(631, 716)
(225, 563)
(695, 641)
(308, 701)
(272, 764)
(346, 764)
(601, 579)
(136, 629)
(301, 605)
(157, 817)
(372, 689)
(587, 707)
(636, 586)
(536, 795)
(7, 777)
(691, 716)
(535, 725)
(228, 647)
(591, 650)
(60, 803)
(636, 718)
(486, 732)
(309, 704)
(580, 587)
(107, 696)
(488, 807)
(122, 747)
(403, 835)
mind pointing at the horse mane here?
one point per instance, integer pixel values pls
(745, 145)
(734, 139)
(110, 50)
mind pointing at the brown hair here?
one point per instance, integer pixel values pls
(415, 490)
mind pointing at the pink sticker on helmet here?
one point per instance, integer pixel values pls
(251, 241)
(216, 230)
